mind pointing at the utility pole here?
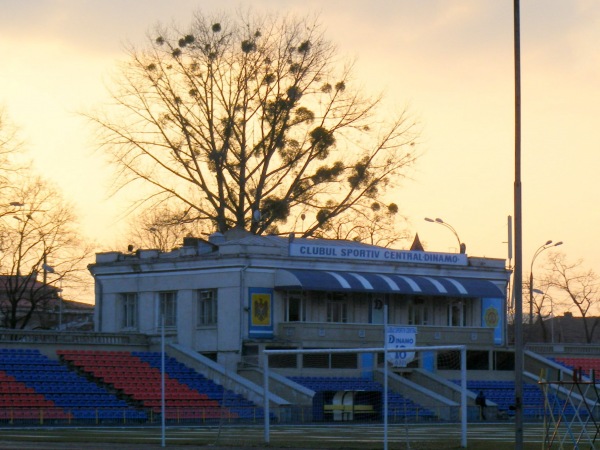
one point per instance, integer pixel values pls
(518, 271)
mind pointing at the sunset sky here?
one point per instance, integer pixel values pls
(449, 62)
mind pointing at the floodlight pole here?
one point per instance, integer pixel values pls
(518, 269)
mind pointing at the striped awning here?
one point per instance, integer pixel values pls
(334, 280)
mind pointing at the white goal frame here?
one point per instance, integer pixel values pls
(385, 351)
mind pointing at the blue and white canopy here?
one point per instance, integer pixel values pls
(335, 280)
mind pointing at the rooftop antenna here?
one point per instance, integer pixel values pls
(510, 241)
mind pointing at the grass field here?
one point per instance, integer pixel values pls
(488, 436)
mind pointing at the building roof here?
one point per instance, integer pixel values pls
(416, 245)
(24, 284)
(240, 243)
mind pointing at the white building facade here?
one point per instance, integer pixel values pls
(232, 296)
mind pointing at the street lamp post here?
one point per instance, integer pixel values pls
(552, 320)
(546, 246)
(49, 269)
(461, 246)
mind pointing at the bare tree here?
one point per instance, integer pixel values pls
(161, 229)
(543, 305)
(9, 145)
(375, 226)
(578, 286)
(10, 165)
(39, 240)
(251, 121)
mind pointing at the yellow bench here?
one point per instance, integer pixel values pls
(349, 408)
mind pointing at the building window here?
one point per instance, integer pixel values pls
(418, 312)
(129, 311)
(315, 360)
(282, 361)
(207, 306)
(456, 314)
(168, 308)
(337, 308)
(330, 360)
(344, 360)
(296, 308)
(478, 360)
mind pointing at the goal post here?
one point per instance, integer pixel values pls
(379, 350)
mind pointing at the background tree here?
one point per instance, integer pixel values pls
(250, 122)
(10, 165)
(376, 226)
(38, 238)
(544, 304)
(579, 288)
(162, 229)
(39, 241)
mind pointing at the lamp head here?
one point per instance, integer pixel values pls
(438, 220)
(548, 242)
(429, 220)
(558, 243)
(48, 268)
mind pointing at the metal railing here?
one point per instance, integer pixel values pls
(10, 336)
(289, 414)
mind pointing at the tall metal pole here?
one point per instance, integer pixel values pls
(385, 377)
(266, 397)
(162, 382)
(518, 270)
(530, 327)
(463, 396)
(552, 322)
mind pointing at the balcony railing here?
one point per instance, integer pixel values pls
(370, 335)
(71, 337)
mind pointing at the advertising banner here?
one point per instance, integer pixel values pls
(398, 338)
(492, 317)
(261, 312)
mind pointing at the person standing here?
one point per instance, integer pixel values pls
(481, 402)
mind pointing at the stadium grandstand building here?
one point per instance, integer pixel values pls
(230, 297)
(240, 328)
